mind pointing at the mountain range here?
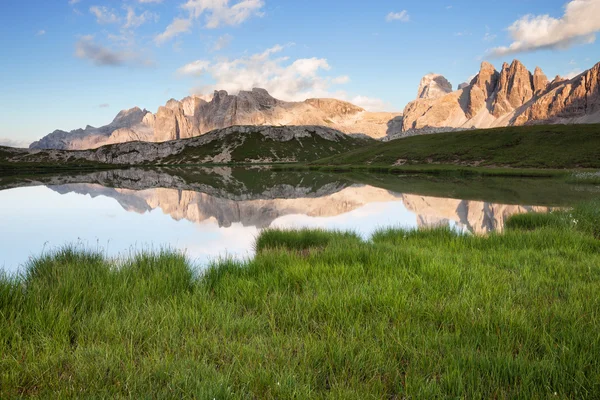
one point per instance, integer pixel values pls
(194, 116)
(511, 96)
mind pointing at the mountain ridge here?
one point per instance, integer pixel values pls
(235, 144)
(512, 96)
(194, 116)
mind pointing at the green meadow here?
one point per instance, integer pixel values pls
(405, 314)
(523, 147)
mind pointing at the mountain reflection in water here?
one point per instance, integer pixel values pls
(215, 212)
(474, 216)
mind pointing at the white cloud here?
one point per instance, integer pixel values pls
(197, 68)
(370, 103)
(401, 16)
(341, 80)
(222, 42)
(104, 15)
(41, 32)
(134, 21)
(87, 48)
(219, 12)
(285, 79)
(216, 13)
(14, 143)
(104, 105)
(178, 26)
(579, 24)
(71, 2)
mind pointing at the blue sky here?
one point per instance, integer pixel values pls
(68, 63)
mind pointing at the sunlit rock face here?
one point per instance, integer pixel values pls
(433, 86)
(194, 116)
(511, 96)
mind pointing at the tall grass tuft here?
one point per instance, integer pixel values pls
(584, 217)
(299, 240)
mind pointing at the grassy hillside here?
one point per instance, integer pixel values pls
(553, 146)
(318, 315)
(255, 147)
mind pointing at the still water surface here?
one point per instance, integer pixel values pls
(216, 213)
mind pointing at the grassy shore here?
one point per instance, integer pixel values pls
(421, 314)
(433, 170)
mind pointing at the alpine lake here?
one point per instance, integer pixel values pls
(215, 213)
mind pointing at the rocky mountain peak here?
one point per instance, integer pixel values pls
(433, 86)
(129, 117)
(173, 104)
(557, 81)
(487, 66)
(540, 81)
(219, 95)
(486, 79)
(515, 88)
(258, 97)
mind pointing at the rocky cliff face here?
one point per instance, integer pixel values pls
(433, 86)
(194, 116)
(511, 96)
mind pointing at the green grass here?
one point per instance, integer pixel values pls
(583, 218)
(255, 147)
(408, 314)
(45, 168)
(553, 146)
(585, 177)
(429, 169)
